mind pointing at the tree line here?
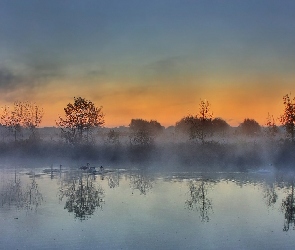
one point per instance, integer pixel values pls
(82, 116)
(22, 115)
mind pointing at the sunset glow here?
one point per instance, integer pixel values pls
(150, 60)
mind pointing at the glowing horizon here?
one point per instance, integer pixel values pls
(150, 60)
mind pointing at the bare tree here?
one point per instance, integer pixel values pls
(80, 118)
(23, 115)
(12, 119)
(201, 123)
(288, 118)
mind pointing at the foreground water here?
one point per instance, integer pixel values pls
(120, 209)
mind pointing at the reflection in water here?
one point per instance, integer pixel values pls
(288, 207)
(198, 199)
(113, 180)
(166, 211)
(82, 196)
(82, 193)
(270, 195)
(14, 194)
(141, 182)
(32, 197)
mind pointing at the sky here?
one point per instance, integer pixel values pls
(153, 59)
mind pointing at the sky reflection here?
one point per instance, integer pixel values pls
(131, 209)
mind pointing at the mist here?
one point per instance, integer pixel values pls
(168, 150)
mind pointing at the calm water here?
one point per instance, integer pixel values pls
(120, 209)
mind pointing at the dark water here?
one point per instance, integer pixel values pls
(121, 209)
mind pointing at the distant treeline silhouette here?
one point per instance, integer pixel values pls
(197, 141)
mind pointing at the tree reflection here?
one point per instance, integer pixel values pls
(270, 195)
(288, 207)
(113, 180)
(82, 196)
(198, 199)
(32, 195)
(15, 194)
(141, 182)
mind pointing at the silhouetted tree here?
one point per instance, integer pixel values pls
(143, 132)
(220, 125)
(32, 119)
(272, 128)
(13, 119)
(23, 115)
(288, 118)
(249, 127)
(184, 125)
(81, 116)
(200, 125)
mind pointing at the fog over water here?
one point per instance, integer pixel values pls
(170, 150)
(71, 208)
(124, 189)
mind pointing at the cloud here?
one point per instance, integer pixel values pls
(12, 80)
(23, 82)
(41, 69)
(9, 80)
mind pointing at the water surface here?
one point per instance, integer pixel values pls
(45, 208)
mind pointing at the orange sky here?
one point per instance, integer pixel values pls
(149, 59)
(232, 99)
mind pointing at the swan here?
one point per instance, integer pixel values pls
(85, 167)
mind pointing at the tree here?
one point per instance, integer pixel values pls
(219, 125)
(288, 118)
(32, 118)
(184, 125)
(200, 124)
(249, 127)
(113, 137)
(143, 132)
(80, 118)
(23, 115)
(272, 128)
(13, 119)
